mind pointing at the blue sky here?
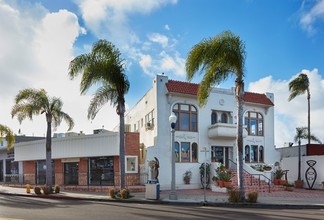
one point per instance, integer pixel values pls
(282, 39)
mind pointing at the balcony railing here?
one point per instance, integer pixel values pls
(224, 130)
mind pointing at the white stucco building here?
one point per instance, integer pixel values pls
(212, 128)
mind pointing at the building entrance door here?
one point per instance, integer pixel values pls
(71, 173)
(1, 171)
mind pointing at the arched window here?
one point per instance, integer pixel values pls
(261, 154)
(187, 117)
(254, 154)
(247, 154)
(176, 151)
(254, 123)
(224, 118)
(194, 152)
(185, 152)
(213, 117)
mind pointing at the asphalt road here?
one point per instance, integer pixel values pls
(15, 207)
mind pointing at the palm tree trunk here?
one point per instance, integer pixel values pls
(122, 149)
(239, 140)
(49, 153)
(308, 125)
(299, 160)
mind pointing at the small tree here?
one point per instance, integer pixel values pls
(30, 102)
(6, 132)
(302, 133)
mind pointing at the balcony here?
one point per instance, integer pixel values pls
(224, 130)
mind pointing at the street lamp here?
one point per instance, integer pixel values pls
(173, 193)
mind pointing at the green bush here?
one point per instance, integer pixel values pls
(252, 197)
(37, 190)
(57, 189)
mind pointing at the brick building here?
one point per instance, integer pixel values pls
(81, 161)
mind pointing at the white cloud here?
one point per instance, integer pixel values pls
(289, 115)
(310, 16)
(146, 63)
(36, 48)
(167, 27)
(159, 38)
(110, 17)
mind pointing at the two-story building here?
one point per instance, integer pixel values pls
(205, 134)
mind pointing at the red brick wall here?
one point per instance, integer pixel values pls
(29, 171)
(59, 175)
(315, 149)
(83, 172)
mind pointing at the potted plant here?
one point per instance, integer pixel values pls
(289, 187)
(202, 174)
(187, 177)
(299, 183)
(322, 183)
(227, 178)
(267, 167)
(278, 174)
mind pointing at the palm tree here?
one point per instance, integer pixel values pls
(221, 57)
(302, 133)
(298, 86)
(8, 134)
(103, 66)
(30, 102)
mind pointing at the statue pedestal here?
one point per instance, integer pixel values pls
(152, 191)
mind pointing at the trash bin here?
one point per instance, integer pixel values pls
(152, 190)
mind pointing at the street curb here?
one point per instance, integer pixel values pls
(162, 202)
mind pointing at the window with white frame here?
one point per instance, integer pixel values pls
(186, 152)
(149, 119)
(131, 164)
(254, 154)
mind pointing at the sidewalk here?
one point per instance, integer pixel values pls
(299, 198)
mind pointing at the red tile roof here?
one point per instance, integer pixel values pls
(192, 89)
(182, 87)
(257, 98)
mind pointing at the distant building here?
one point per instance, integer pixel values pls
(7, 164)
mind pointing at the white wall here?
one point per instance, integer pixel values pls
(291, 164)
(104, 144)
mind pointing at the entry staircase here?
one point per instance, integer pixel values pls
(256, 182)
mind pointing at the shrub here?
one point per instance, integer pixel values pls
(57, 189)
(252, 197)
(111, 193)
(46, 190)
(233, 195)
(37, 190)
(124, 194)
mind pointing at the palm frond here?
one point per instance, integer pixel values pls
(298, 86)
(8, 134)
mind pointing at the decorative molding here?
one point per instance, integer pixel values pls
(185, 137)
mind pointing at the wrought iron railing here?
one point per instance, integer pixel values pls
(252, 175)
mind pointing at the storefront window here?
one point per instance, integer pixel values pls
(101, 171)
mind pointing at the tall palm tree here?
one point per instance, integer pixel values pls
(298, 86)
(221, 57)
(30, 102)
(302, 133)
(8, 134)
(103, 66)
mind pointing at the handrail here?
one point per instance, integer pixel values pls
(252, 174)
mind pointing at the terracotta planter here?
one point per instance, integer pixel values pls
(299, 184)
(276, 181)
(290, 188)
(227, 184)
(220, 183)
(282, 182)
